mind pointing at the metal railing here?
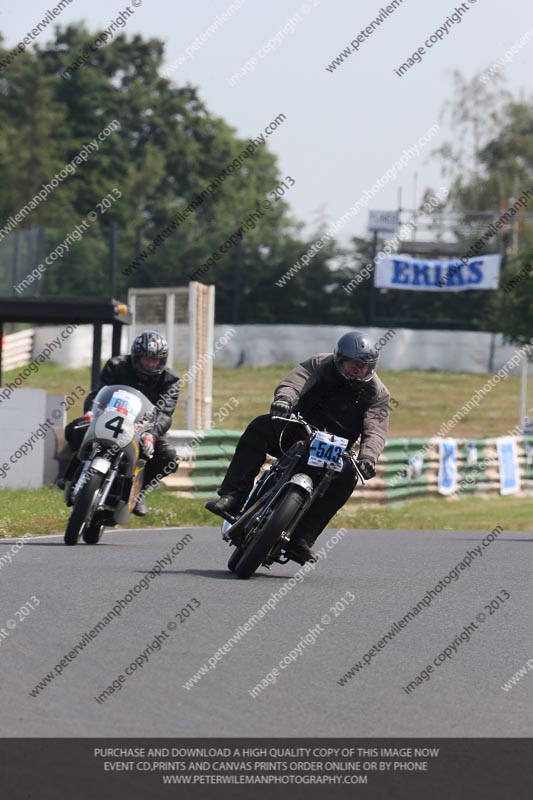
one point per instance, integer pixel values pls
(17, 349)
(206, 454)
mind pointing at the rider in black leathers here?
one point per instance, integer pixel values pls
(145, 370)
(339, 392)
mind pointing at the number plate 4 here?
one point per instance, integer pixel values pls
(115, 428)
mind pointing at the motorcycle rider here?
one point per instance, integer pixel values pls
(338, 392)
(145, 370)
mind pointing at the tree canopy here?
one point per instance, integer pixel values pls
(154, 150)
(166, 149)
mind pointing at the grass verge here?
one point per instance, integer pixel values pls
(41, 511)
(425, 399)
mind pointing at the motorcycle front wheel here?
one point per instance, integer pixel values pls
(84, 507)
(93, 533)
(279, 519)
(234, 558)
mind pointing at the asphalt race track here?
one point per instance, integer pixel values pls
(71, 589)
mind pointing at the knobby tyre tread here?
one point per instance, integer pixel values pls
(256, 552)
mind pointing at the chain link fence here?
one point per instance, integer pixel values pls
(20, 253)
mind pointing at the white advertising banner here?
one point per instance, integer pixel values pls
(424, 275)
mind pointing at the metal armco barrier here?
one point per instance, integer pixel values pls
(17, 349)
(205, 456)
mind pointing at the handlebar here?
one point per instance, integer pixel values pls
(300, 420)
(310, 429)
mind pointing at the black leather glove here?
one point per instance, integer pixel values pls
(280, 408)
(367, 468)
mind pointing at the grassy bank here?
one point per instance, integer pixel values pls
(42, 511)
(425, 399)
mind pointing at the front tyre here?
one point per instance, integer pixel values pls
(234, 558)
(84, 508)
(93, 533)
(280, 518)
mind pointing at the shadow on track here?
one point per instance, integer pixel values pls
(217, 574)
(499, 541)
(62, 544)
(224, 574)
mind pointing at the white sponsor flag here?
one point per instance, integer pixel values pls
(447, 481)
(427, 275)
(508, 461)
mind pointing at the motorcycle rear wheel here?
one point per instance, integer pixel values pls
(84, 508)
(280, 517)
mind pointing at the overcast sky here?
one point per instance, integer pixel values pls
(344, 128)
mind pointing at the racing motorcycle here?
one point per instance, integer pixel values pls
(104, 490)
(262, 531)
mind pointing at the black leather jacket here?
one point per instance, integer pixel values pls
(162, 392)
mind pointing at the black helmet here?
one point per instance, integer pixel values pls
(356, 357)
(149, 344)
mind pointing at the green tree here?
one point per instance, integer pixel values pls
(167, 148)
(494, 170)
(488, 164)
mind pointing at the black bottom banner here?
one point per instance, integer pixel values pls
(83, 769)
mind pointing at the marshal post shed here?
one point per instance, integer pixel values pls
(95, 311)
